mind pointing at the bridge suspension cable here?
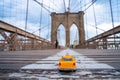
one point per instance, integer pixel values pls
(86, 23)
(64, 5)
(43, 5)
(55, 5)
(26, 15)
(95, 19)
(97, 27)
(111, 11)
(41, 28)
(74, 8)
(85, 6)
(40, 20)
(69, 6)
(3, 9)
(26, 22)
(48, 35)
(117, 11)
(92, 2)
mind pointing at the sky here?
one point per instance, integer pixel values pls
(39, 19)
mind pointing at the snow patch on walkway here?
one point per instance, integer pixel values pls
(49, 66)
(83, 62)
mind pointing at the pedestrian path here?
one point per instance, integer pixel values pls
(87, 68)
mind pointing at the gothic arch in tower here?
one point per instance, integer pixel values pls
(67, 19)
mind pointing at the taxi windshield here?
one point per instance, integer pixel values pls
(67, 59)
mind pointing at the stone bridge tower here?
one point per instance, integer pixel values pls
(67, 19)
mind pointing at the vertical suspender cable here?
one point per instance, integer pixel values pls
(40, 20)
(48, 22)
(118, 20)
(3, 10)
(16, 8)
(95, 19)
(80, 6)
(54, 5)
(86, 20)
(26, 23)
(64, 5)
(117, 11)
(69, 6)
(42, 5)
(93, 1)
(75, 7)
(111, 11)
(26, 15)
(10, 10)
(86, 25)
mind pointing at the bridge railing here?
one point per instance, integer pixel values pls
(106, 40)
(19, 39)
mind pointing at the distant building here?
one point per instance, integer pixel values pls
(76, 42)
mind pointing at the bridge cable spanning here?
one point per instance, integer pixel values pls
(27, 8)
(54, 5)
(86, 23)
(111, 11)
(40, 20)
(105, 39)
(75, 7)
(69, 6)
(44, 27)
(17, 43)
(42, 5)
(64, 5)
(3, 9)
(48, 22)
(95, 27)
(92, 2)
(85, 6)
(95, 19)
(47, 9)
(80, 5)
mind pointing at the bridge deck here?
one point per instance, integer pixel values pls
(17, 59)
(13, 61)
(111, 57)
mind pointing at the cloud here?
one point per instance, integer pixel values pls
(15, 13)
(101, 22)
(21, 24)
(18, 15)
(91, 30)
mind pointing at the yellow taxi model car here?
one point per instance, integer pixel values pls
(67, 62)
